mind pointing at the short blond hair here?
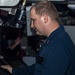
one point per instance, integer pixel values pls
(46, 7)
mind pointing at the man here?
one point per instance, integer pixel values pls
(56, 56)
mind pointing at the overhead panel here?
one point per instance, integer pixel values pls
(9, 2)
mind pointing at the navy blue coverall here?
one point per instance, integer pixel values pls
(55, 57)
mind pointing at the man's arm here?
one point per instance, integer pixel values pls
(27, 70)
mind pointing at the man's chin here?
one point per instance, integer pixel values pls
(37, 33)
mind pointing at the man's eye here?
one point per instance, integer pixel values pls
(33, 20)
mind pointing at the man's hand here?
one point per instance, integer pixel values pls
(7, 67)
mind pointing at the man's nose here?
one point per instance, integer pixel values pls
(32, 26)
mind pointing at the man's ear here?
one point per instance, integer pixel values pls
(45, 18)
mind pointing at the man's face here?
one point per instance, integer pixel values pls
(36, 22)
